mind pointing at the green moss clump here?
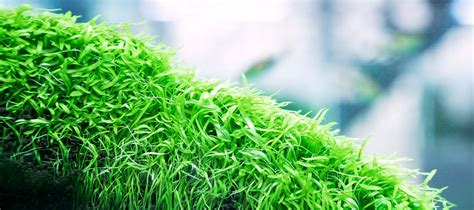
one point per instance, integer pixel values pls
(136, 130)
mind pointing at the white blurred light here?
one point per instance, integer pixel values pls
(412, 16)
(216, 10)
(463, 11)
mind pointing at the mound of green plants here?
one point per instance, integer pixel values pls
(130, 128)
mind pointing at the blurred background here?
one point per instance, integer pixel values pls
(399, 72)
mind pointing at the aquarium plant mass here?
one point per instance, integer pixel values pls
(128, 127)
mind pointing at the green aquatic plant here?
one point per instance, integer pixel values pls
(134, 129)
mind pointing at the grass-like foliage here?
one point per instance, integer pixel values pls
(136, 130)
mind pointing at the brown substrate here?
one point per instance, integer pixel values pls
(28, 186)
(26, 183)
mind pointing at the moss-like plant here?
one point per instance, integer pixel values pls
(133, 129)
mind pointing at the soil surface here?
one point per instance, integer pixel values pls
(25, 183)
(26, 186)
